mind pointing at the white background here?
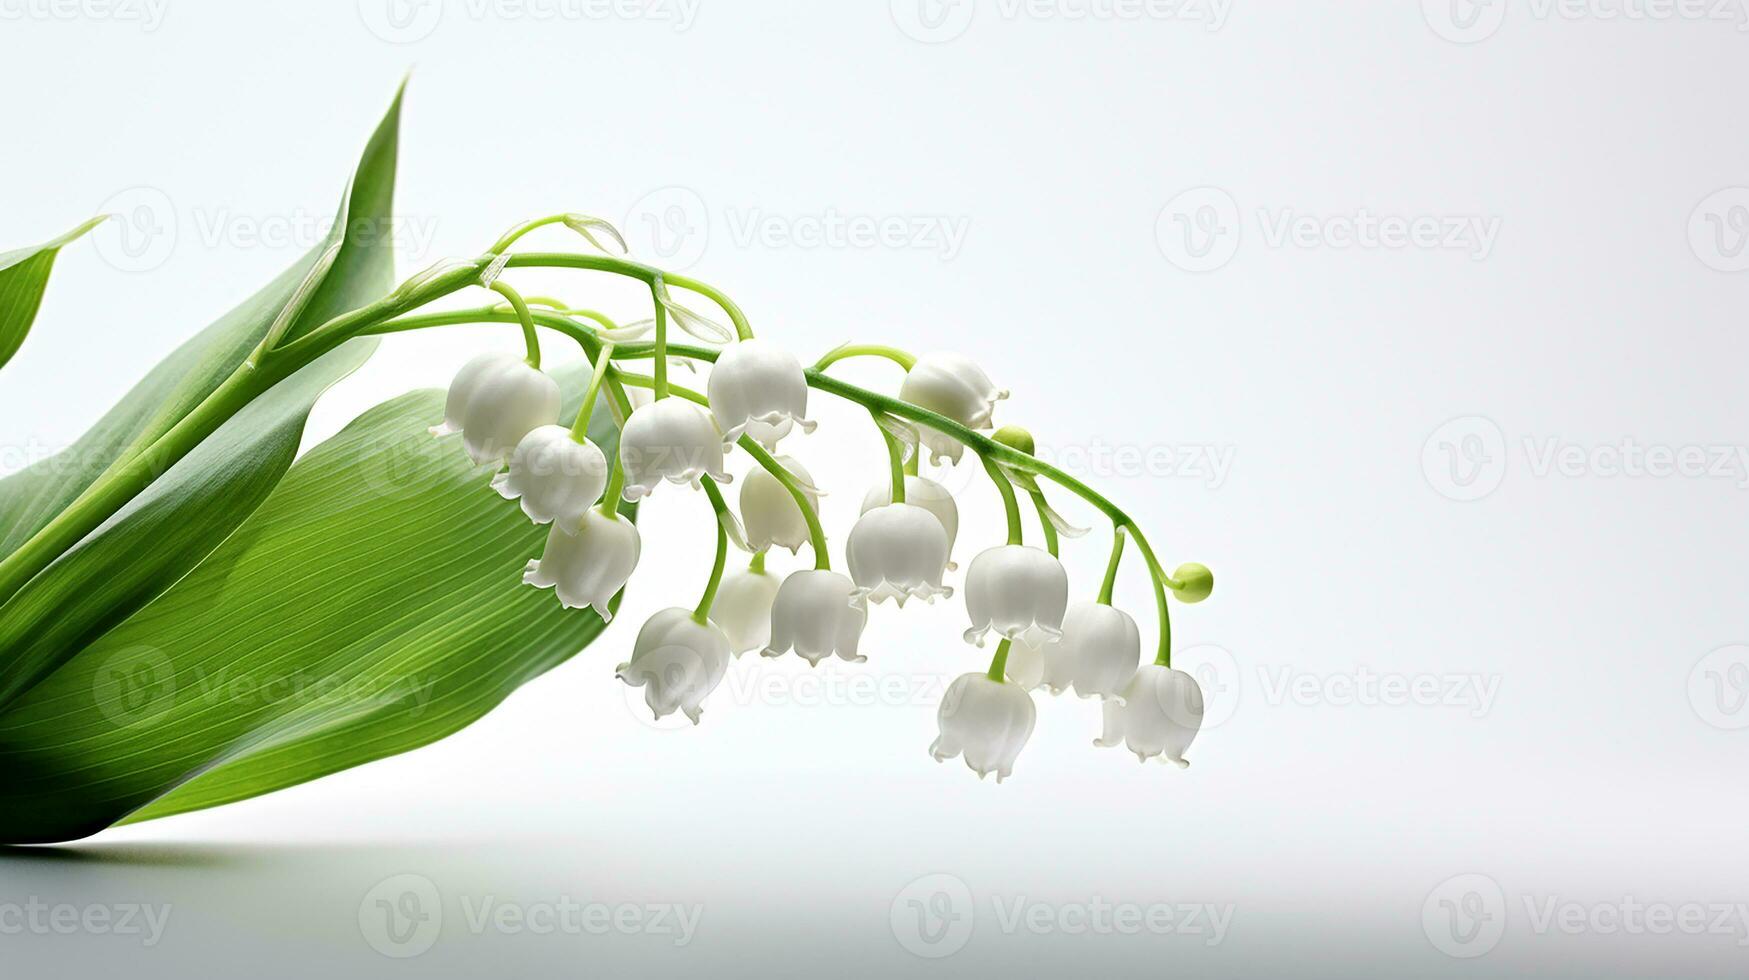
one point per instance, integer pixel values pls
(1356, 530)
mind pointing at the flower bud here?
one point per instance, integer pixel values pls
(768, 512)
(758, 388)
(818, 613)
(952, 385)
(556, 477)
(898, 551)
(1158, 715)
(677, 660)
(495, 400)
(669, 439)
(1195, 581)
(1017, 591)
(590, 566)
(925, 493)
(987, 721)
(743, 608)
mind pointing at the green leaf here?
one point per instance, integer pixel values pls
(371, 605)
(24, 274)
(201, 500)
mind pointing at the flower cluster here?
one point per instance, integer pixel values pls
(899, 549)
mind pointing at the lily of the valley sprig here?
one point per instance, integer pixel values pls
(506, 411)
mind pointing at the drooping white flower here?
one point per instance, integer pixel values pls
(1017, 591)
(758, 388)
(952, 385)
(556, 477)
(1159, 714)
(898, 551)
(743, 608)
(589, 566)
(924, 493)
(494, 401)
(986, 721)
(1026, 665)
(669, 439)
(818, 613)
(677, 660)
(768, 512)
(1097, 653)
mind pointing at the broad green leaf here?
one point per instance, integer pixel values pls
(371, 605)
(204, 497)
(24, 274)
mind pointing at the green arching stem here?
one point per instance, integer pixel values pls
(895, 459)
(616, 481)
(1110, 582)
(1010, 505)
(757, 565)
(660, 367)
(999, 663)
(703, 612)
(1044, 520)
(603, 364)
(743, 330)
(816, 532)
(904, 359)
(520, 230)
(529, 340)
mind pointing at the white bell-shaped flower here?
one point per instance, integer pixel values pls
(1097, 653)
(952, 385)
(677, 660)
(743, 608)
(495, 400)
(898, 551)
(818, 613)
(669, 439)
(924, 493)
(1017, 591)
(589, 566)
(758, 388)
(1158, 715)
(1026, 665)
(769, 514)
(986, 721)
(556, 477)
